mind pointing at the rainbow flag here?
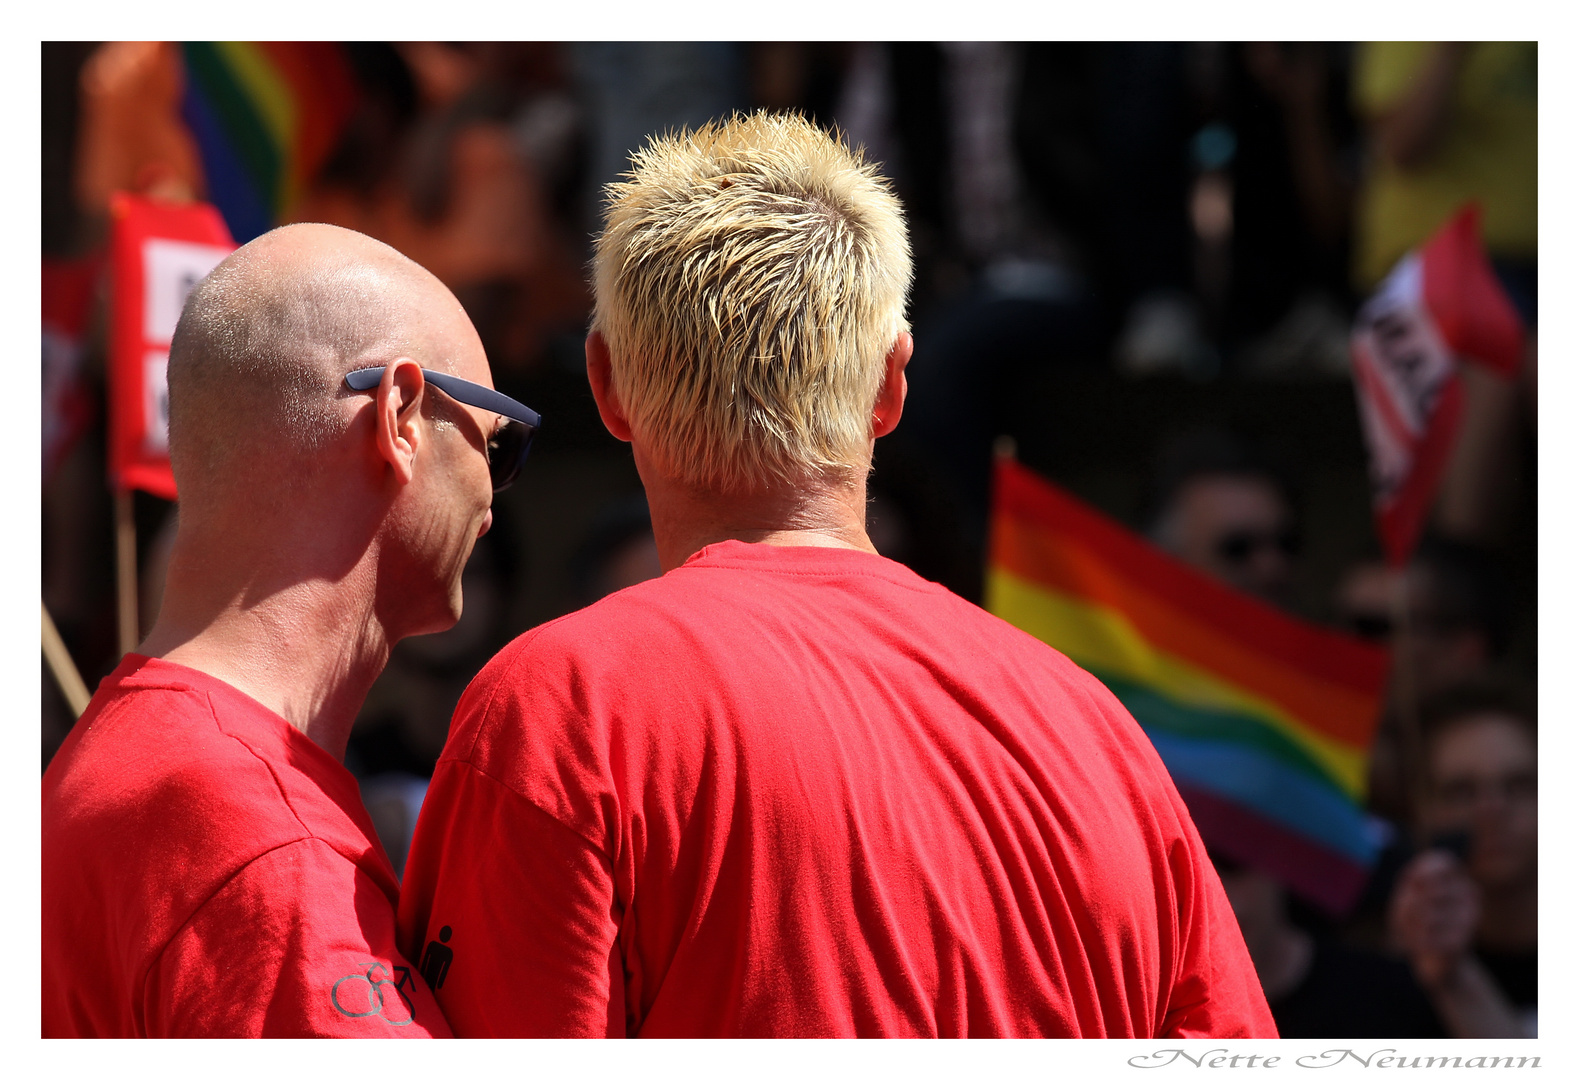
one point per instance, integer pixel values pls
(1263, 721)
(265, 116)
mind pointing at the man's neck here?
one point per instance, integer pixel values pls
(685, 520)
(306, 647)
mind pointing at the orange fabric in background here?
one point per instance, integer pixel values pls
(132, 136)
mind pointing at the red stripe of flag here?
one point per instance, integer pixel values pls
(1319, 652)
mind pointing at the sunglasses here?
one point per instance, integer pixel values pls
(1239, 546)
(1380, 628)
(510, 442)
(1371, 627)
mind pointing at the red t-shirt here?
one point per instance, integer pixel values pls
(208, 870)
(795, 791)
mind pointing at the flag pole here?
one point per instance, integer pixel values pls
(61, 666)
(126, 569)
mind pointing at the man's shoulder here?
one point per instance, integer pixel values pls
(146, 814)
(140, 741)
(659, 645)
(155, 770)
(610, 631)
(683, 618)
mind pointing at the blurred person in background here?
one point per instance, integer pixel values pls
(1465, 912)
(1449, 122)
(456, 157)
(1452, 122)
(132, 136)
(208, 867)
(1457, 611)
(1316, 986)
(1457, 629)
(714, 802)
(1217, 505)
(1293, 171)
(632, 89)
(1150, 98)
(991, 147)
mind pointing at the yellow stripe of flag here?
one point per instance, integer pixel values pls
(1099, 637)
(275, 102)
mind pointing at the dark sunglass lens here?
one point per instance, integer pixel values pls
(1239, 547)
(1371, 627)
(506, 450)
(1236, 547)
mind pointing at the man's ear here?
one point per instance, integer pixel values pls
(397, 404)
(891, 394)
(600, 374)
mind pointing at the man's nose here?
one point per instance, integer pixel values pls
(487, 523)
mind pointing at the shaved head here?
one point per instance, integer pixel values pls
(264, 341)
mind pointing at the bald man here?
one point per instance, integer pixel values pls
(208, 868)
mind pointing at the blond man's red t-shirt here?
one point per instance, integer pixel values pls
(795, 791)
(209, 870)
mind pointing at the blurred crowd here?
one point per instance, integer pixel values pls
(1142, 261)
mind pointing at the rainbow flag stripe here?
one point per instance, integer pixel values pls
(1263, 721)
(265, 116)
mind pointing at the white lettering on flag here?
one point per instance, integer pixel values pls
(156, 403)
(170, 269)
(1401, 365)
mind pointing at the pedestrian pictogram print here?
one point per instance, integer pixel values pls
(436, 960)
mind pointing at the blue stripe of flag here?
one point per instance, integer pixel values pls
(230, 188)
(1270, 787)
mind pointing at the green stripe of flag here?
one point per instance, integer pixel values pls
(253, 143)
(1152, 710)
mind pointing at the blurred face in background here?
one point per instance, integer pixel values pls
(1239, 529)
(1482, 771)
(1257, 900)
(1440, 653)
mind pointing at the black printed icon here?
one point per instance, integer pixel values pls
(436, 960)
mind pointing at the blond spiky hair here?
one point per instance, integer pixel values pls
(750, 280)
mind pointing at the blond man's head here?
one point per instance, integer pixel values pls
(750, 280)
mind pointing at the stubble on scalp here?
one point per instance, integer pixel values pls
(264, 342)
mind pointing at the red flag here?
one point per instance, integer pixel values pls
(158, 251)
(1441, 305)
(67, 294)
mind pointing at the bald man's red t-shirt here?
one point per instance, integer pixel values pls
(209, 870)
(793, 791)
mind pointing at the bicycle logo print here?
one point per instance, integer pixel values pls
(370, 1000)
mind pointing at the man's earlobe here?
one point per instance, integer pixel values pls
(600, 375)
(398, 407)
(891, 394)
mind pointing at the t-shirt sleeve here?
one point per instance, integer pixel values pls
(514, 914)
(1216, 993)
(299, 943)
